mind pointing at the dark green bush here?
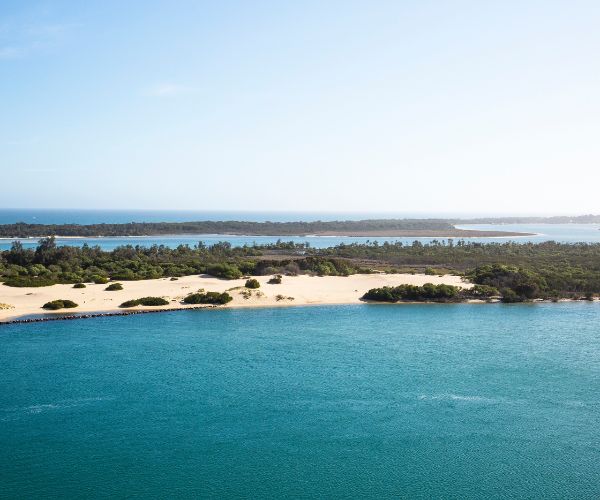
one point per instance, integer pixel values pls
(509, 296)
(99, 280)
(275, 280)
(33, 281)
(516, 284)
(130, 303)
(79, 285)
(225, 271)
(113, 287)
(145, 301)
(153, 301)
(124, 274)
(483, 291)
(59, 304)
(427, 292)
(208, 298)
(252, 283)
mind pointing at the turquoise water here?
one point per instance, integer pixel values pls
(449, 401)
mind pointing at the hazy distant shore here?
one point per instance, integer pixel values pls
(452, 233)
(456, 233)
(401, 228)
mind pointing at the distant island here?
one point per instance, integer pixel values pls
(437, 228)
(433, 228)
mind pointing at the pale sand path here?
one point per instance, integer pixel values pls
(304, 289)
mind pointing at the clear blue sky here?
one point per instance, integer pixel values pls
(446, 106)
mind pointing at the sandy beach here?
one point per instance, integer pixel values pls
(305, 290)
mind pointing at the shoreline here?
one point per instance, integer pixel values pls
(109, 314)
(294, 290)
(458, 233)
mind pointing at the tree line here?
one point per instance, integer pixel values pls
(517, 271)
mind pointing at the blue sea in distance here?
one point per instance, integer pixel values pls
(53, 216)
(366, 401)
(567, 233)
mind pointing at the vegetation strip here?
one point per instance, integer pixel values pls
(519, 272)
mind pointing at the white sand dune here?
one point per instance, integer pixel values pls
(304, 290)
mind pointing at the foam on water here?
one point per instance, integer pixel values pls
(34, 409)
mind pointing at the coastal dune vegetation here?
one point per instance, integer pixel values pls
(208, 298)
(54, 305)
(519, 272)
(252, 283)
(429, 293)
(145, 301)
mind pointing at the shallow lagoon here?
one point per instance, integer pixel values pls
(565, 233)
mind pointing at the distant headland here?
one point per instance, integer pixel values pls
(392, 227)
(438, 228)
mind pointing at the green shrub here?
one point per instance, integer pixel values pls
(247, 267)
(483, 291)
(124, 274)
(113, 287)
(59, 304)
(153, 301)
(99, 280)
(517, 284)
(413, 293)
(252, 283)
(30, 281)
(145, 301)
(225, 271)
(130, 303)
(509, 296)
(79, 285)
(275, 280)
(208, 298)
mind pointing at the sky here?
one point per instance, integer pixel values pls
(415, 106)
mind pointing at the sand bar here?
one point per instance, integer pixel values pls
(305, 290)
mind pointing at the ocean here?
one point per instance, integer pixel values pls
(85, 216)
(367, 401)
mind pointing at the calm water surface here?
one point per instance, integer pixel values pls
(449, 401)
(567, 233)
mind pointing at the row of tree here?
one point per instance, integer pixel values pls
(517, 271)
